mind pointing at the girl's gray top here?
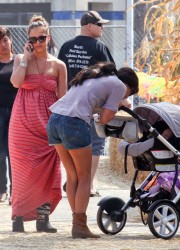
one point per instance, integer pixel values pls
(96, 93)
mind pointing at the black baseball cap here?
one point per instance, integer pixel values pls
(92, 17)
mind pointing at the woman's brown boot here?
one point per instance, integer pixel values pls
(80, 228)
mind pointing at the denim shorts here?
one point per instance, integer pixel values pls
(72, 132)
(97, 142)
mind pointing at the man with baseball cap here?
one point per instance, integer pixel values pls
(82, 51)
(92, 17)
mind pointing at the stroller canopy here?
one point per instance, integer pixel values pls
(154, 112)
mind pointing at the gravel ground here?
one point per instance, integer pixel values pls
(134, 236)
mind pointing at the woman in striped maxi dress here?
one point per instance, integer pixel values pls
(41, 79)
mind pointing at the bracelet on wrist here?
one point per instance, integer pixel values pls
(23, 63)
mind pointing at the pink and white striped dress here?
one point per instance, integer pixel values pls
(36, 173)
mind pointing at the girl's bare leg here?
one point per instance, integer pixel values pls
(72, 181)
(77, 163)
(82, 159)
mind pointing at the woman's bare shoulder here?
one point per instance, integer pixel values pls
(56, 60)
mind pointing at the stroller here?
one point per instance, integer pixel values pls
(162, 209)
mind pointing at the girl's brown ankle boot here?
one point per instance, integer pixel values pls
(80, 228)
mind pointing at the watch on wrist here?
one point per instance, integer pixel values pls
(23, 63)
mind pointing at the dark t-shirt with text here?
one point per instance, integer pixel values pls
(83, 51)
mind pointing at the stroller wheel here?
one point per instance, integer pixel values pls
(107, 225)
(163, 220)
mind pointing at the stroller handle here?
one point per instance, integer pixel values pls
(135, 116)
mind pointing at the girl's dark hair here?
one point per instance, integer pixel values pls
(129, 78)
(95, 71)
(125, 74)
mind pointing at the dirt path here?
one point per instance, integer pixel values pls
(134, 236)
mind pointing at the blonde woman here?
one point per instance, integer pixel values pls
(41, 79)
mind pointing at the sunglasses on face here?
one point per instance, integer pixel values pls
(40, 39)
(98, 24)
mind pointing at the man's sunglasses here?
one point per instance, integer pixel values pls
(40, 39)
(98, 24)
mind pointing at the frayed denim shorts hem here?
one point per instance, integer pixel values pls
(72, 132)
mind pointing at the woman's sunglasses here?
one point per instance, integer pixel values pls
(40, 39)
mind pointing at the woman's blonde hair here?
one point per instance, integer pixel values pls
(38, 21)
